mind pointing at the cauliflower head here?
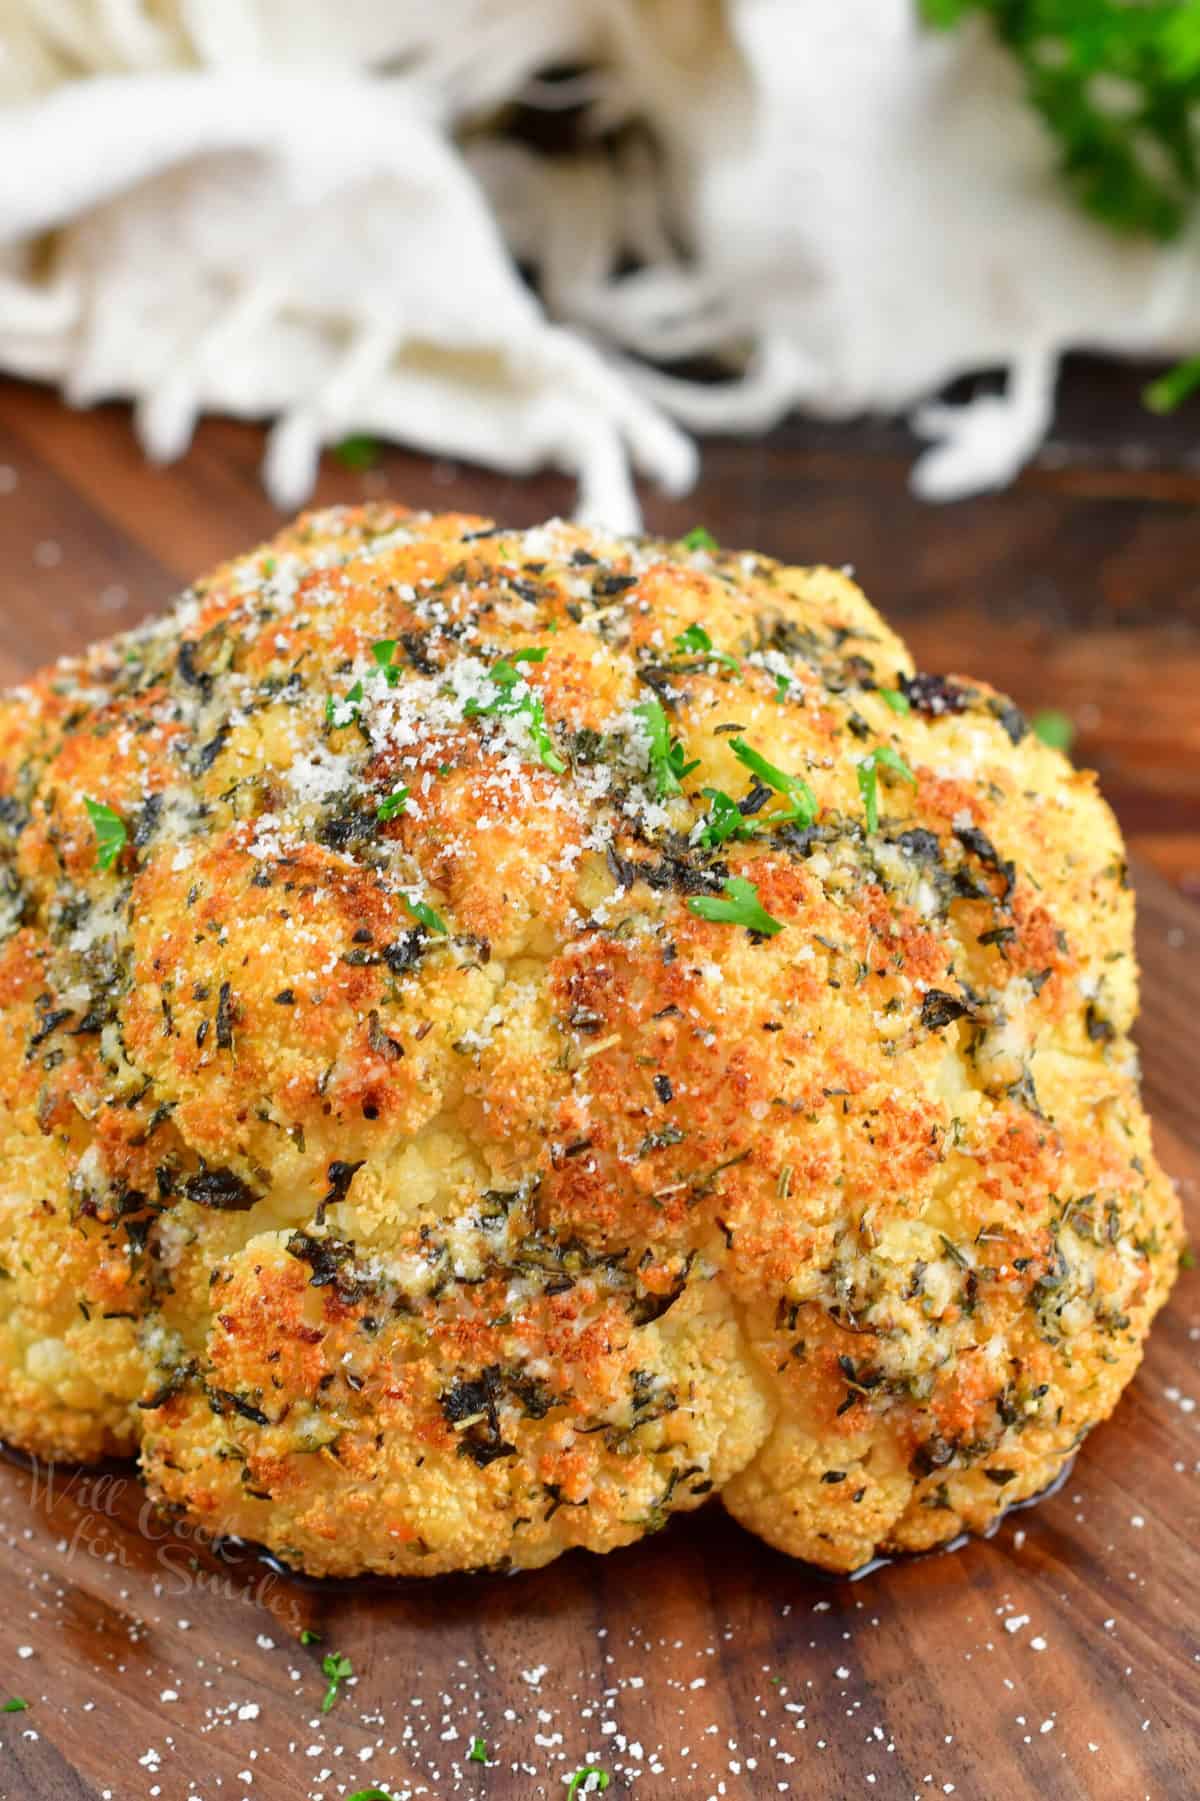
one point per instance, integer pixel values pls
(510, 1034)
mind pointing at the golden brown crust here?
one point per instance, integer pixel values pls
(570, 1026)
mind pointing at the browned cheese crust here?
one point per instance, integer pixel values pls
(563, 1027)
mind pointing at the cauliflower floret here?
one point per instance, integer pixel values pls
(506, 1036)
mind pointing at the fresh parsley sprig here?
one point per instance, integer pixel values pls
(384, 653)
(342, 709)
(699, 538)
(357, 452)
(424, 913)
(1117, 85)
(694, 640)
(668, 759)
(1054, 728)
(511, 695)
(392, 805)
(591, 1780)
(868, 779)
(801, 807)
(111, 833)
(725, 820)
(740, 907)
(337, 1668)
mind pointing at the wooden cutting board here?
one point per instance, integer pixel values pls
(1061, 1658)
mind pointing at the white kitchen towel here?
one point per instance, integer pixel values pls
(314, 213)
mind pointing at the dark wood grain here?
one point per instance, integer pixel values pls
(699, 1659)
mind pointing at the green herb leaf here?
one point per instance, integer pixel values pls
(383, 652)
(1172, 389)
(1117, 85)
(357, 453)
(588, 1781)
(309, 1637)
(1187, 1257)
(478, 1751)
(15, 1705)
(695, 641)
(433, 922)
(1054, 728)
(699, 538)
(337, 1668)
(506, 678)
(667, 758)
(868, 779)
(725, 820)
(370, 1794)
(783, 685)
(891, 759)
(392, 805)
(801, 808)
(111, 835)
(344, 710)
(741, 907)
(898, 702)
(543, 743)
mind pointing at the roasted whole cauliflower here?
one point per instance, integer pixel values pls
(509, 1034)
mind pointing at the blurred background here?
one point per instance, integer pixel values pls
(912, 285)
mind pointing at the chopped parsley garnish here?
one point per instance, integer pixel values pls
(898, 702)
(309, 1637)
(1054, 728)
(504, 676)
(383, 652)
(668, 763)
(337, 1668)
(111, 835)
(740, 907)
(15, 1705)
(370, 1794)
(725, 820)
(543, 743)
(420, 910)
(699, 538)
(357, 453)
(801, 808)
(478, 1751)
(1187, 1257)
(868, 779)
(341, 711)
(512, 695)
(695, 641)
(588, 1781)
(783, 684)
(392, 805)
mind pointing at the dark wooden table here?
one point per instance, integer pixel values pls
(1059, 1659)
